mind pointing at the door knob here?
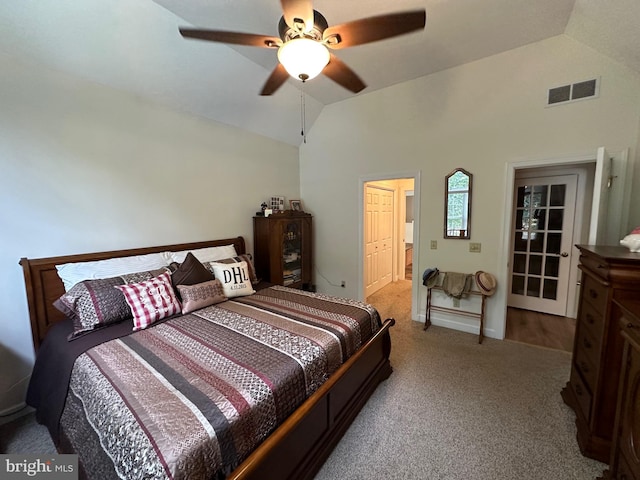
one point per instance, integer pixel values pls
(564, 254)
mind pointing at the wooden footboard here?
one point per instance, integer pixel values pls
(299, 447)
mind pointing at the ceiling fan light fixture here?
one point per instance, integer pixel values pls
(303, 58)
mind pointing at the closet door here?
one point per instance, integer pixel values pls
(378, 238)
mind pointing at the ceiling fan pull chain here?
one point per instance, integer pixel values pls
(303, 115)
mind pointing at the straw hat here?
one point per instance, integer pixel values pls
(486, 283)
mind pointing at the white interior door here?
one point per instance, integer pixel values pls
(371, 221)
(378, 238)
(386, 237)
(541, 247)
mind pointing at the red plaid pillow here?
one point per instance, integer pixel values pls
(150, 300)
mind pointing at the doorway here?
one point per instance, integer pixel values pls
(596, 174)
(383, 223)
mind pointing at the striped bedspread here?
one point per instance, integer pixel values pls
(193, 396)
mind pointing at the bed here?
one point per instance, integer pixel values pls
(299, 433)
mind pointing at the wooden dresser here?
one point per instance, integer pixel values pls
(608, 273)
(625, 451)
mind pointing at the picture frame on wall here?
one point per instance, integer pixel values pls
(295, 205)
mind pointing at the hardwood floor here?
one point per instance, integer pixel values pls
(540, 329)
(534, 328)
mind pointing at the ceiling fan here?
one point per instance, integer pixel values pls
(305, 36)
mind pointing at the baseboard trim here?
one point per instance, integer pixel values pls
(9, 414)
(455, 322)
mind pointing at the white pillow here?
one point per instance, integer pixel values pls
(72, 273)
(207, 254)
(234, 278)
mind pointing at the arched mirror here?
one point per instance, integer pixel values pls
(457, 204)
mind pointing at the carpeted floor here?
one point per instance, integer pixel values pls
(457, 410)
(452, 410)
(23, 435)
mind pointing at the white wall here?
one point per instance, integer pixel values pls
(86, 168)
(477, 116)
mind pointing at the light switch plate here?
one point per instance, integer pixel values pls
(475, 247)
(434, 244)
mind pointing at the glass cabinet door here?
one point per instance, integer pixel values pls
(283, 249)
(292, 252)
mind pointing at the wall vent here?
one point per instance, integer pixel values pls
(573, 92)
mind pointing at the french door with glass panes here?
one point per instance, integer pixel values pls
(541, 247)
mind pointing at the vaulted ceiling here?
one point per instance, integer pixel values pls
(135, 46)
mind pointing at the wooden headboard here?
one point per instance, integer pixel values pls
(44, 286)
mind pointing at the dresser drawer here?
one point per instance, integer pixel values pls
(586, 366)
(588, 347)
(594, 293)
(590, 319)
(630, 325)
(581, 392)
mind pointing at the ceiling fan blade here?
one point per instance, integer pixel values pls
(339, 72)
(278, 76)
(298, 14)
(372, 29)
(237, 38)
